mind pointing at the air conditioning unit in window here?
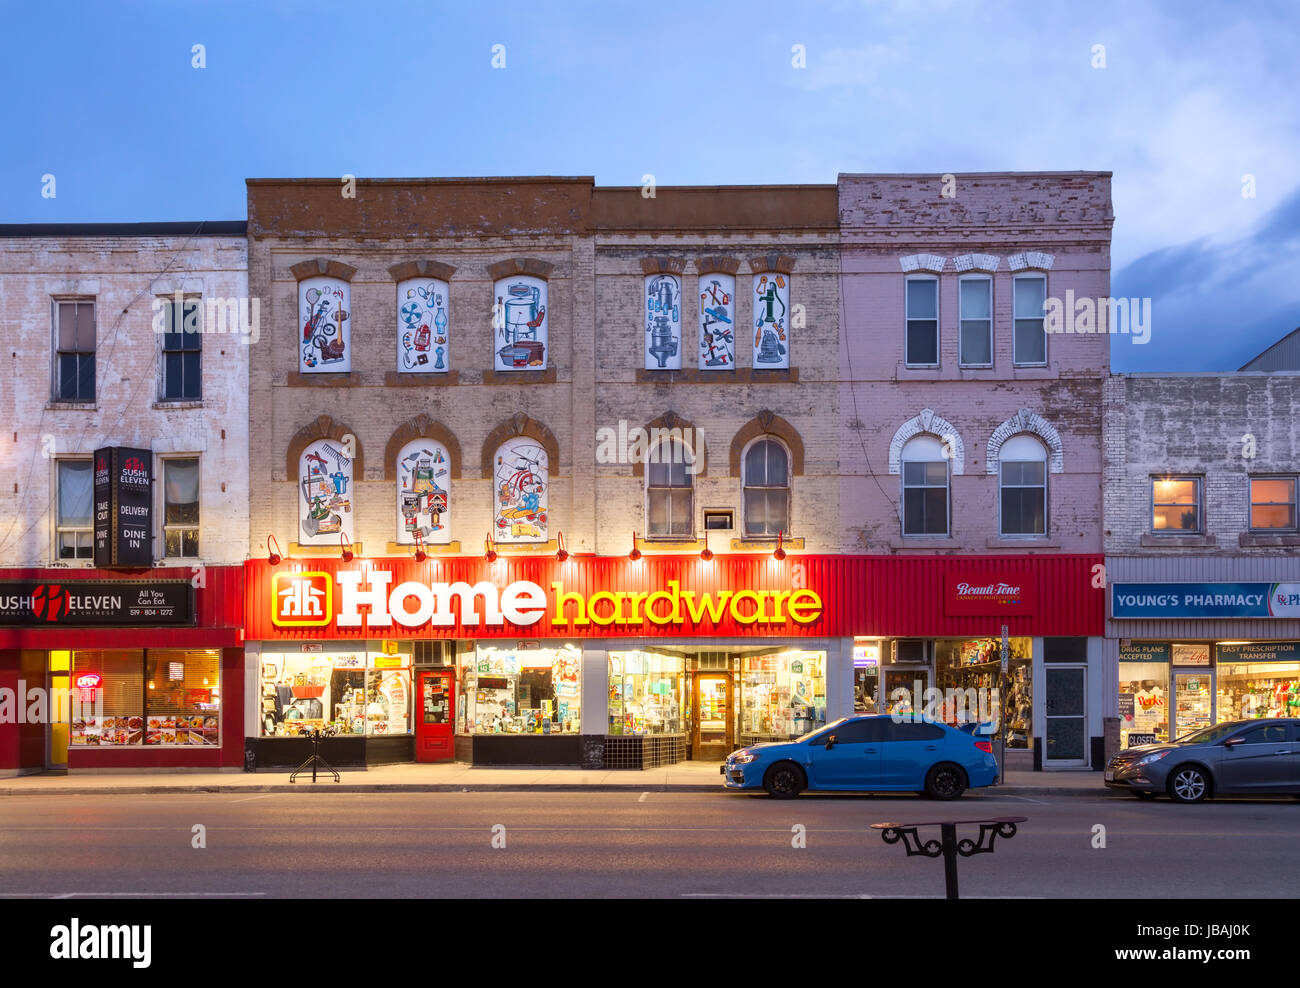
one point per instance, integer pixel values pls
(909, 651)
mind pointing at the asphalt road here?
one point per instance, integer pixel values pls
(567, 844)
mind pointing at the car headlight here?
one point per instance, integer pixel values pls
(743, 757)
(1148, 759)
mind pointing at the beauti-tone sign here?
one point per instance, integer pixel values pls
(1205, 600)
(971, 594)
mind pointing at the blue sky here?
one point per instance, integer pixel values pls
(1193, 96)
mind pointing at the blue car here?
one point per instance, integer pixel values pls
(871, 753)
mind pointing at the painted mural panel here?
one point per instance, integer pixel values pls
(325, 495)
(520, 323)
(771, 320)
(663, 322)
(324, 313)
(423, 326)
(521, 484)
(717, 321)
(423, 493)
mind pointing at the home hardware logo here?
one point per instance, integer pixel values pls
(302, 599)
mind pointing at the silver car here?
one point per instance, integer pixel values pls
(1237, 758)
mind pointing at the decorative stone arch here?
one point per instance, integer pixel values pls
(975, 262)
(670, 421)
(774, 262)
(717, 264)
(421, 267)
(1025, 421)
(323, 428)
(1031, 260)
(318, 266)
(930, 423)
(520, 424)
(663, 264)
(925, 263)
(768, 423)
(421, 427)
(534, 266)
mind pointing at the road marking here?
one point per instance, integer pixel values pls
(131, 895)
(823, 895)
(643, 796)
(1040, 802)
(250, 798)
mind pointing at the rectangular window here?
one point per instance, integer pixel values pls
(669, 513)
(646, 693)
(1024, 498)
(976, 305)
(922, 317)
(521, 690)
(163, 697)
(925, 498)
(182, 352)
(1272, 504)
(352, 691)
(74, 351)
(181, 508)
(1175, 504)
(73, 527)
(783, 694)
(1029, 299)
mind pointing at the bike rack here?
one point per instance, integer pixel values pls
(948, 845)
(315, 760)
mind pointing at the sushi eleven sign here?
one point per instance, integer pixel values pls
(352, 600)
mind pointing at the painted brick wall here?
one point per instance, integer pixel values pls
(123, 274)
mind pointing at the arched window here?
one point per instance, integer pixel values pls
(423, 326)
(520, 484)
(670, 509)
(765, 480)
(324, 318)
(1022, 486)
(717, 314)
(663, 322)
(325, 495)
(423, 493)
(925, 487)
(520, 323)
(771, 320)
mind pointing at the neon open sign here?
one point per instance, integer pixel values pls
(89, 681)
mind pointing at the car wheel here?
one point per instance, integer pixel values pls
(1143, 795)
(1188, 784)
(945, 782)
(784, 780)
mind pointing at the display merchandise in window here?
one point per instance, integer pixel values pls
(1256, 690)
(153, 697)
(1143, 703)
(646, 693)
(1191, 702)
(783, 694)
(521, 691)
(345, 692)
(967, 671)
(866, 678)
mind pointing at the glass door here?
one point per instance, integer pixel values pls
(1193, 701)
(712, 715)
(905, 690)
(1066, 715)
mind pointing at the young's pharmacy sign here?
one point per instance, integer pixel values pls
(1205, 600)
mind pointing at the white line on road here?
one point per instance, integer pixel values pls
(248, 798)
(823, 895)
(643, 796)
(129, 895)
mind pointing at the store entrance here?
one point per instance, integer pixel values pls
(712, 706)
(904, 691)
(435, 716)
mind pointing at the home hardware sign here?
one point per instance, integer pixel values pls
(123, 506)
(95, 603)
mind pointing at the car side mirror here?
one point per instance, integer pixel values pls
(830, 742)
(1232, 742)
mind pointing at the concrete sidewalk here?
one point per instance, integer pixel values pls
(460, 777)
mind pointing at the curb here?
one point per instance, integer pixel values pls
(141, 790)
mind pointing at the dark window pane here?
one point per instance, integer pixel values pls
(936, 473)
(858, 732)
(975, 342)
(922, 299)
(1023, 511)
(86, 376)
(756, 464)
(1011, 473)
(913, 474)
(68, 376)
(1031, 342)
(922, 341)
(776, 465)
(193, 377)
(172, 375)
(911, 732)
(936, 510)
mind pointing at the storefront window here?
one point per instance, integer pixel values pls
(521, 690)
(1259, 679)
(967, 672)
(154, 697)
(645, 693)
(866, 678)
(783, 694)
(1143, 703)
(1191, 702)
(354, 691)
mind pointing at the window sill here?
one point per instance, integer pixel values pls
(657, 543)
(1263, 540)
(178, 404)
(296, 549)
(408, 549)
(323, 379)
(432, 379)
(1178, 541)
(1021, 542)
(766, 544)
(72, 406)
(728, 375)
(908, 543)
(540, 375)
(1033, 372)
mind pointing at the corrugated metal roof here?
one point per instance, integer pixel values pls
(1284, 355)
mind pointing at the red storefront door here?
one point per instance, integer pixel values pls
(435, 716)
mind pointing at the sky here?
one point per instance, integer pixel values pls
(1193, 105)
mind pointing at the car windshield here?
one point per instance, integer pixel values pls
(1209, 734)
(820, 730)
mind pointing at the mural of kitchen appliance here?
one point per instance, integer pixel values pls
(422, 326)
(771, 308)
(521, 325)
(324, 507)
(322, 305)
(663, 321)
(717, 304)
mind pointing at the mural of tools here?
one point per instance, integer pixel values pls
(663, 322)
(771, 321)
(324, 498)
(519, 498)
(423, 493)
(323, 305)
(519, 320)
(717, 322)
(423, 340)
